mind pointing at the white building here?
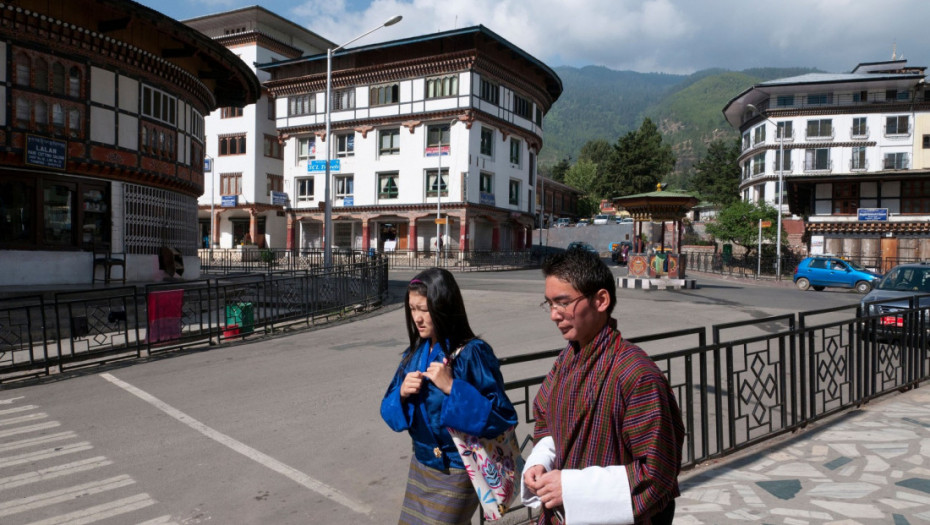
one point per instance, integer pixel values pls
(245, 185)
(856, 152)
(464, 104)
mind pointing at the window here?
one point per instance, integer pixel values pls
(490, 92)
(759, 134)
(437, 137)
(746, 140)
(157, 104)
(230, 112)
(344, 99)
(514, 193)
(74, 83)
(821, 128)
(58, 79)
(230, 183)
(915, 196)
(758, 164)
(274, 183)
(23, 69)
(858, 162)
(861, 96)
(897, 125)
(58, 118)
(387, 185)
(40, 74)
(232, 145)
(486, 183)
(539, 117)
(447, 86)
(41, 114)
(434, 186)
(817, 159)
(515, 151)
(487, 142)
(859, 129)
(895, 161)
(389, 141)
(845, 198)
(74, 122)
(345, 145)
(894, 94)
(301, 105)
(819, 99)
(273, 147)
(522, 106)
(385, 94)
(785, 100)
(304, 188)
(785, 131)
(926, 141)
(271, 109)
(345, 186)
(306, 148)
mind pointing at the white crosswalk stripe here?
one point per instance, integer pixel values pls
(95, 493)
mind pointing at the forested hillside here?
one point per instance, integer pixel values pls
(599, 103)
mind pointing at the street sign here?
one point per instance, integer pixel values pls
(207, 165)
(766, 224)
(440, 221)
(279, 198)
(873, 214)
(320, 165)
(229, 201)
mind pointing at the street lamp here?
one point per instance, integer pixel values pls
(781, 189)
(328, 201)
(439, 189)
(208, 167)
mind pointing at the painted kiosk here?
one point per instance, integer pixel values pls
(658, 266)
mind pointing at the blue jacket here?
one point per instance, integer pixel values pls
(477, 403)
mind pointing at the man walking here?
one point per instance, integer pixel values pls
(608, 433)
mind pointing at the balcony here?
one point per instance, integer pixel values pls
(858, 165)
(859, 132)
(821, 136)
(818, 167)
(896, 132)
(896, 161)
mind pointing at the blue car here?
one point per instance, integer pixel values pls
(820, 271)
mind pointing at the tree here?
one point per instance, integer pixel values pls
(738, 224)
(583, 175)
(640, 161)
(597, 151)
(559, 170)
(717, 175)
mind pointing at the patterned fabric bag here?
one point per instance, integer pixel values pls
(492, 464)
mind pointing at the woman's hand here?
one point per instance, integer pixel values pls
(411, 385)
(441, 375)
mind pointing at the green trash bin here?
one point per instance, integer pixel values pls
(242, 316)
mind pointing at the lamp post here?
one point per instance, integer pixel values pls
(439, 189)
(781, 189)
(209, 165)
(327, 198)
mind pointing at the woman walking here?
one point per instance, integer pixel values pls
(447, 378)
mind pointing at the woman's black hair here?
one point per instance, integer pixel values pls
(446, 309)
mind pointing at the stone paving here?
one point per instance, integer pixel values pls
(867, 466)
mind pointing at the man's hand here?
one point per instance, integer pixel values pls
(550, 488)
(531, 477)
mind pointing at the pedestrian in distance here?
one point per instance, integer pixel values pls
(447, 377)
(608, 433)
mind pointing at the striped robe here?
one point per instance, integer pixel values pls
(609, 404)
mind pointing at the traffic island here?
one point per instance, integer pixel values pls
(656, 271)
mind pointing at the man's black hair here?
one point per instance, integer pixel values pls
(585, 271)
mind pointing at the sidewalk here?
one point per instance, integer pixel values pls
(865, 466)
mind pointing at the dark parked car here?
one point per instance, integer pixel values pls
(820, 271)
(621, 251)
(579, 245)
(905, 287)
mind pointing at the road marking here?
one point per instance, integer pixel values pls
(59, 496)
(100, 512)
(23, 419)
(161, 520)
(10, 400)
(30, 428)
(47, 453)
(247, 451)
(24, 408)
(41, 440)
(57, 471)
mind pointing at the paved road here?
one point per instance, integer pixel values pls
(282, 430)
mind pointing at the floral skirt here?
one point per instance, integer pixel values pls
(436, 497)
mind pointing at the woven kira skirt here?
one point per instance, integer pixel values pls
(435, 497)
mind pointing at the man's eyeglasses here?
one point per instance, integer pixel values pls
(559, 306)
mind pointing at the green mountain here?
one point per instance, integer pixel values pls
(600, 103)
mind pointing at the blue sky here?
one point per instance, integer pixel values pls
(671, 36)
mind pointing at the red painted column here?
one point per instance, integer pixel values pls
(216, 229)
(253, 226)
(412, 236)
(496, 238)
(366, 242)
(463, 235)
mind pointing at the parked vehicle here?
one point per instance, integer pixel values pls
(820, 271)
(601, 219)
(582, 222)
(579, 245)
(621, 252)
(902, 296)
(562, 222)
(623, 220)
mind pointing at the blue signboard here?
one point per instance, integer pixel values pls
(230, 201)
(320, 165)
(348, 201)
(279, 198)
(48, 153)
(486, 198)
(207, 165)
(873, 214)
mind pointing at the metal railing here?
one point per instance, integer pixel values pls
(762, 378)
(76, 328)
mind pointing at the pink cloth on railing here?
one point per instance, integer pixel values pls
(164, 311)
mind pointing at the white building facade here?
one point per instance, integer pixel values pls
(445, 126)
(856, 160)
(244, 199)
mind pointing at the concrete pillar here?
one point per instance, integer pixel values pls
(412, 236)
(289, 239)
(253, 225)
(366, 240)
(496, 238)
(463, 234)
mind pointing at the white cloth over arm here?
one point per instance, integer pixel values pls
(543, 454)
(597, 496)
